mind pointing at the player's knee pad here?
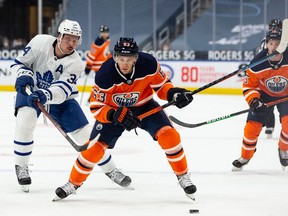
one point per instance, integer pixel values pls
(93, 155)
(82, 135)
(284, 123)
(252, 129)
(168, 138)
(25, 124)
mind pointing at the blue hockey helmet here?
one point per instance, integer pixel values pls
(126, 46)
(275, 24)
(104, 29)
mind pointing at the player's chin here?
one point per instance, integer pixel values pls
(69, 50)
(123, 70)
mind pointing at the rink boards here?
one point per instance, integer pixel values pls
(188, 74)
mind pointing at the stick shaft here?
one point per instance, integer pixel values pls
(67, 137)
(188, 125)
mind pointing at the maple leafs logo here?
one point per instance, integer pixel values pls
(45, 81)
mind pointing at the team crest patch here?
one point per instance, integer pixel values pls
(45, 80)
(99, 126)
(126, 99)
(277, 84)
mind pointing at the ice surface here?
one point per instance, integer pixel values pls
(260, 189)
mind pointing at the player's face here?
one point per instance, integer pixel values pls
(272, 46)
(125, 63)
(69, 43)
(104, 35)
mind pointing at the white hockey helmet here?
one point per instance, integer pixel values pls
(70, 27)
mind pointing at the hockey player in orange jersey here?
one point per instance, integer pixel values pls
(99, 52)
(265, 83)
(116, 102)
(274, 25)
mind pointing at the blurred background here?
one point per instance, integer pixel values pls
(171, 30)
(200, 25)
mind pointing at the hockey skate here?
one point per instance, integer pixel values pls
(64, 191)
(23, 177)
(120, 178)
(283, 157)
(187, 185)
(269, 131)
(239, 163)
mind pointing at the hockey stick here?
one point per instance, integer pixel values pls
(67, 137)
(280, 49)
(177, 121)
(83, 90)
(155, 110)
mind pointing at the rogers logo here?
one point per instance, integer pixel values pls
(276, 84)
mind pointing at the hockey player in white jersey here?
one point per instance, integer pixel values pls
(50, 66)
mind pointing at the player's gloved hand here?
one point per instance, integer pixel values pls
(39, 96)
(258, 107)
(181, 96)
(87, 71)
(124, 117)
(22, 82)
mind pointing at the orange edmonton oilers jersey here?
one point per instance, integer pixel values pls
(112, 89)
(99, 53)
(263, 77)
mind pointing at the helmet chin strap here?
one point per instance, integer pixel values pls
(58, 44)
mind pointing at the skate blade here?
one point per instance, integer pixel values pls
(236, 169)
(25, 188)
(129, 188)
(191, 196)
(56, 198)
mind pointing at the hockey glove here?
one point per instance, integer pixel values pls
(125, 118)
(87, 71)
(39, 96)
(258, 107)
(22, 82)
(181, 96)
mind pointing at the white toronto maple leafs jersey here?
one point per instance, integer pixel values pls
(59, 76)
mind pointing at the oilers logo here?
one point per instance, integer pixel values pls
(126, 99)
(99, 126)
(277, 84)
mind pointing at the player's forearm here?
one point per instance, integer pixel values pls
(60, 92)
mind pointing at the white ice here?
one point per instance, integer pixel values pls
(260, 189)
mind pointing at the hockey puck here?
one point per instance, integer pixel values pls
(193, 211)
